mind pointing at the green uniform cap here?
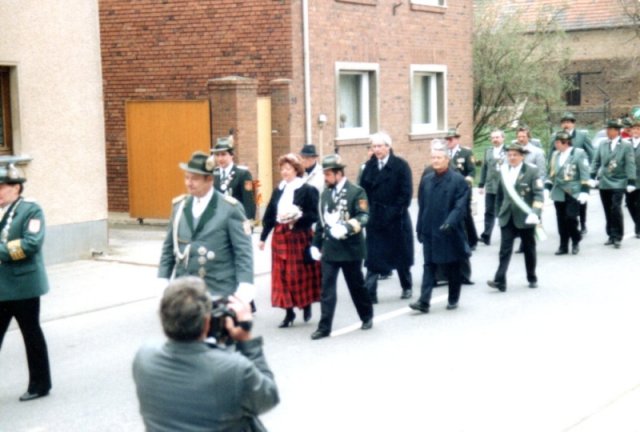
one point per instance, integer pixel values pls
(200, 163)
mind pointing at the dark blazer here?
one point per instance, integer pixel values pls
(571, 178)
(443, 199)
(530, 188)
(353, 207)
(617, 169)
(463, 162)
(22, 271)
(219, 246)
(389, 231)
(239, 185)
(490, 172)
(189, 386)
(306, 197)
(579, 139)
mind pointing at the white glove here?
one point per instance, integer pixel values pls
(338, 231)
(245, 292)
(593, 183)
(315, 253)
(583, 197)
(532, 219)
(630, 188)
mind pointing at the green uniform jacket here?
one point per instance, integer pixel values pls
(572, 177)
(239, 184)
(218, 249)
(463, 162)
(617, 169)
(22, 271)
(529, 186)
(490, 172)
(353, 208)
(636, 152)
(579, 139)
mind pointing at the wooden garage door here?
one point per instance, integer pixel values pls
(160, 134)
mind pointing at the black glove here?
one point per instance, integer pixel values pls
(445, 227)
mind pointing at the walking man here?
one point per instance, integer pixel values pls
(633, 198)
(490, 181)
(339, 243)
(520, 199)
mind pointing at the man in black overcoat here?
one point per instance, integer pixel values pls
(386, 179)
(442, 207)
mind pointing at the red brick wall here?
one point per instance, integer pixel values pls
(169, 49)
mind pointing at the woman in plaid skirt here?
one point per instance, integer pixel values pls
(292, 210)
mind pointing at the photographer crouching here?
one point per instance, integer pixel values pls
(184, 384)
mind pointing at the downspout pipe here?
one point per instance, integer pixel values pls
(307, 73)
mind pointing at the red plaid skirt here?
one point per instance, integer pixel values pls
(293, 283)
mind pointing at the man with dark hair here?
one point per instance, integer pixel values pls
(339, 243)
(23, 277)
(312, 170)
(184, 384)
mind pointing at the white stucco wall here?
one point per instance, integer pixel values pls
(54, 47)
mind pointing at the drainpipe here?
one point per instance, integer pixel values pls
(307, 73)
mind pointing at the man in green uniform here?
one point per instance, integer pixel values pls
(23, 277)
(231, 179)
(208, 235)
(614, 172)
(339, 243)
(494, 157)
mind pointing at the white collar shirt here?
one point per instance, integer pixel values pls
(200, 204)
(513, 173)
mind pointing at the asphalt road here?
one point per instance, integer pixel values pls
(563, 357)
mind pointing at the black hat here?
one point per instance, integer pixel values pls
(567, 115)
(517, 147)
(332, 161)
(562, 136)
(200, 163)
(452, 133)
(615, 124)
(224, 144)
(10, 174)
(308, 150)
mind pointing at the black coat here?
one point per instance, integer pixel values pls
(443, 200)
(306, 197)
(389, 231)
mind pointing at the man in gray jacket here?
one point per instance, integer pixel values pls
(184, 384)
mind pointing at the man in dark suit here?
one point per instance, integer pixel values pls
(614, 171)
(231, 179)
(339, 243)
(208, 235)
(183, 384)
(579, 139)
(387, 181)
(494, 157)
(520, 200)
(23, 277)
(442, 205)
(633, 198)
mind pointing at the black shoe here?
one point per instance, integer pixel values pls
(288, 320)
(419, 306)
(499, 286)
(29, 395)
(562, 251)
(253, 307)
(520, 250)
(306, 313)
(319, 334)
(609, 242)
(575, 249)
(616, 244)
(452, 306)
(533, 284)
(406, 294)
(373, 298)
(583, 230)
(473, 247)
(638, 235)
(485, 239)
(466, 281)
(383, 276)
(366, 325)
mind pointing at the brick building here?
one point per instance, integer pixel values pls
(330, 72)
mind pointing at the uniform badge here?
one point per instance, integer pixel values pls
(202, 272)
(211, 255)
(34, 226)
(248, 185)
(202, 260)
(539, 183)
(246, 225)
(223, 187)
(363, 204)
(202, 250)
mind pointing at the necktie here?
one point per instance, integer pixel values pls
(380, 165)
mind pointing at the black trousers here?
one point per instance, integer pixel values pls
(404, 274)
(469, 225)
(352, 271)
(454, 277)
(612, 204)
(567, 214)
(27, 314)
(508, 234)
(583, 216)
(633, 204)
(489, 215)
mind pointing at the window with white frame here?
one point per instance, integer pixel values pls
(429, 2)
(6, 139)
(356, 99)
(428, 96)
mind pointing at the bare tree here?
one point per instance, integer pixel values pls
(518, 66)
(631, 9)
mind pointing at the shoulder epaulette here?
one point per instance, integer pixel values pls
(242, 167)
(231, 200)
(29, 200)
(178, 199)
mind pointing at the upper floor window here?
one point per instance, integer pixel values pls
(573, 96)
(356, 99)
(6, 139)
(428, 96)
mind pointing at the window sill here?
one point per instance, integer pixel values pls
(361, 2)
(345, 142)
(426, 136)
(428, 9)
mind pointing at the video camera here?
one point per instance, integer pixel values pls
(219, 314)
